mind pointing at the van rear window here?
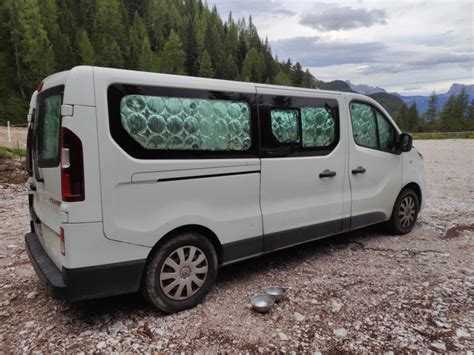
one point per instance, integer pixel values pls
(174, 123)
(47, 127)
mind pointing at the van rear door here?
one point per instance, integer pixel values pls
(46, 169)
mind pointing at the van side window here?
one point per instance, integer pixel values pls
(371, 128)
(387, 134)
(364, 125)
(318, 127)
(174, 123)
(285, 125)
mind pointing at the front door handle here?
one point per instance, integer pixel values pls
(358, 170)
(327, 173)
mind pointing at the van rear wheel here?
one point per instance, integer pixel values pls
(180, 272)
(405, 213)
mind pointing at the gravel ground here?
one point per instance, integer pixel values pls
(361, 291)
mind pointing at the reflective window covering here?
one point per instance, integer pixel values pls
(285, 125)
(364, 125)
(51, 115)
(171, 123)
(318, 127)
(386, 133)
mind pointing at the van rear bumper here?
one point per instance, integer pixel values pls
(86, 282)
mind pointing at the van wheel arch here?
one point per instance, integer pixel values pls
(209, 234)
(415, 187)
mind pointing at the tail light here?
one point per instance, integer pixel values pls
(61, 240)
(72, 167)
(39, 87)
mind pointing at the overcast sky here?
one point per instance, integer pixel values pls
(412, 47)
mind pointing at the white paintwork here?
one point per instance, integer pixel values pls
(292, 194)
(377, 189)
(127, 210)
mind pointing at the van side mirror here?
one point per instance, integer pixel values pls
(405, 142)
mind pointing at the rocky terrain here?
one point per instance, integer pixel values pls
(361, 291)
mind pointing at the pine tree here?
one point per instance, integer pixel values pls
(229, 69)
(454, 115)
(85, 50)
(298, 74)
(137, 48)
(205, 66)
(431, 113)
(86, 14)
(308, 80)
(109, 37)
(413, 119)
(155, 20)
(253, 66)
(402, 117)
(283, 79)
(173, 57)
(59, 40)
(470, 117)
(32, 50)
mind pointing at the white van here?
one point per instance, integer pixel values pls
(151, 182)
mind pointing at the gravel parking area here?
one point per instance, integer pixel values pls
(361, 291)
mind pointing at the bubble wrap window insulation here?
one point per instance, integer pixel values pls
(171, 123)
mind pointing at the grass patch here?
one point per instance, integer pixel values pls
(444, 135)
(11, 153)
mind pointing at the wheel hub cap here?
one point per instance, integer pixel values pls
(407, 212)
(183, 273)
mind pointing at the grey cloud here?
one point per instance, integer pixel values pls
(376, 56)
(310, 51)
(422, 61)
(344, 18)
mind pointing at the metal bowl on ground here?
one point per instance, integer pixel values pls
(276, 292)
(262, 302)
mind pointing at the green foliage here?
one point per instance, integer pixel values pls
(456, 114)
(11, 153)
(86, 52)
(205, 66)
(109, 34)
(283, 79)
(443, 135)
(253, 66)
(173, 57)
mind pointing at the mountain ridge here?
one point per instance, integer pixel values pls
(421, 101)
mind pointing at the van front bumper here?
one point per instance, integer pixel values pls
(86, 282)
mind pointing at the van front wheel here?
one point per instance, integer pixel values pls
(405, 213)
(180, 272)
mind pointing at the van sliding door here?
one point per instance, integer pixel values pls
(303, 166)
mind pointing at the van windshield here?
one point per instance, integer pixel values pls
(47, 125)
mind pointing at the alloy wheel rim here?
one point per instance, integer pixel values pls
(184, 272)
(407, 212)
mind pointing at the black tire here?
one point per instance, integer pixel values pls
(156, 285)
(405, 212)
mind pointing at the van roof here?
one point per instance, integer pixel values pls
(87, 73)
(61, 77)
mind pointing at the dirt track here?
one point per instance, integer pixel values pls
(362, 291)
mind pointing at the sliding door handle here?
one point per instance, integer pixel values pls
(358, 170)
(327, 174)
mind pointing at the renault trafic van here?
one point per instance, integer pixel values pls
(151, 182)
